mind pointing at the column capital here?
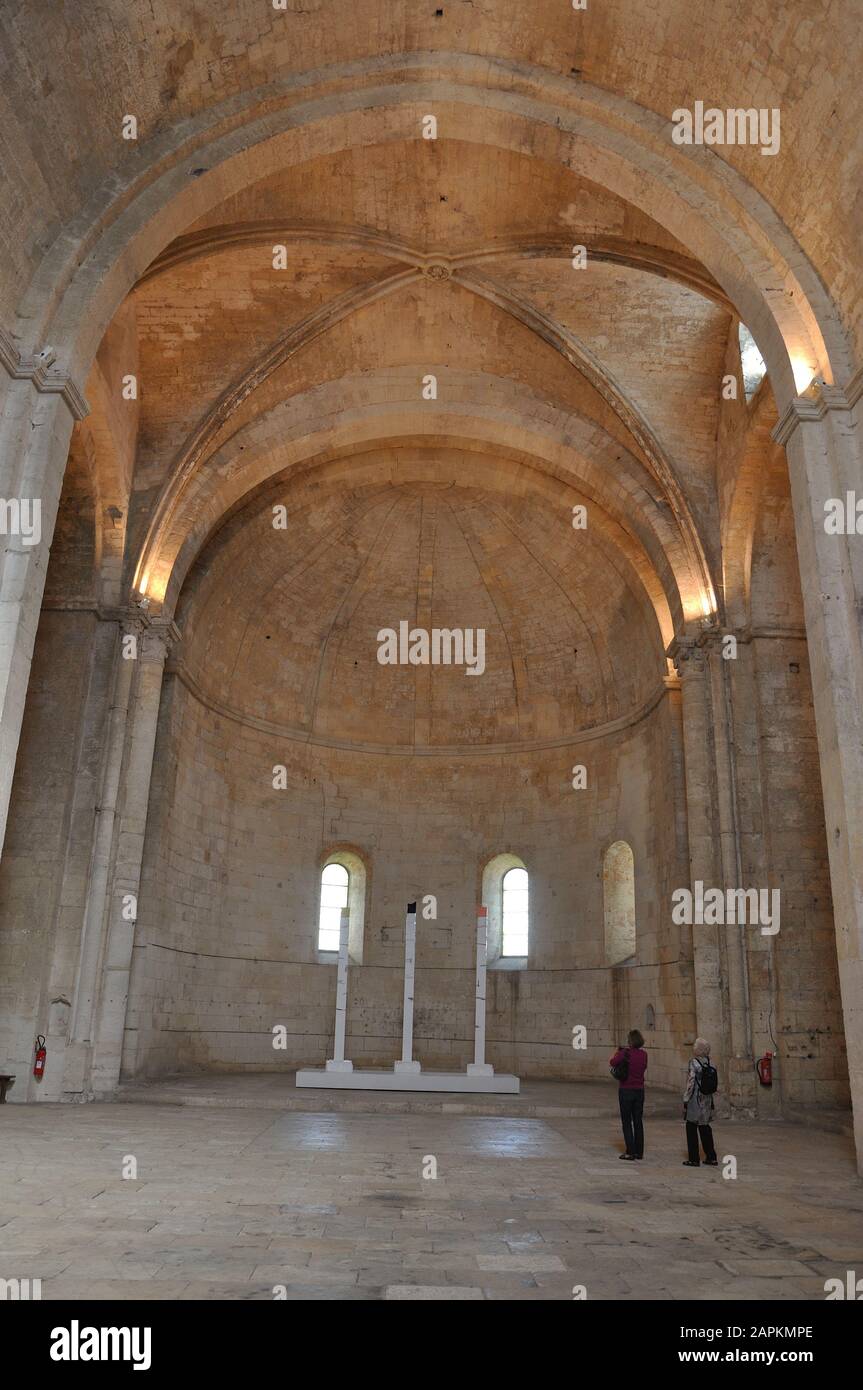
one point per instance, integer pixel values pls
(686, 653)
(819, 398)
(38, 368)
(159, 637)
(696, 645)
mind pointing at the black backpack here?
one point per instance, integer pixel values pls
(707, 1079)
(621, 1069)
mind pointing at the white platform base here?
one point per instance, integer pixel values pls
(502, 1083)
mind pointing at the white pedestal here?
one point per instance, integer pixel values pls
(456, 1081)
(408, 1068)
(335, 1065)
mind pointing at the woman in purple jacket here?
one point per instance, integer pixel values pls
(630, 1093)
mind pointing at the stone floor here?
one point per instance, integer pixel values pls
(232, 1200)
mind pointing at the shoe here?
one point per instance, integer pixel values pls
(711, 1162)
(639, 1157)
(630, 1158)
(687, 1163)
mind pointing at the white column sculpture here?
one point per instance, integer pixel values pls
(337, 1062)
(479, 1066)
(407, 1064)
(408, 1075)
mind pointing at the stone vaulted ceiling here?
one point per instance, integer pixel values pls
(299, 262)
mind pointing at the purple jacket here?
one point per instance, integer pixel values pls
(637, 1067)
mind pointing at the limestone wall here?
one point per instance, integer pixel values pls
(226, 942)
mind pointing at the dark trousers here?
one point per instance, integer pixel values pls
(692, 1133)
(631, 1112)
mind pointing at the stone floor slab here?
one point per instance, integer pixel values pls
(253, 1202)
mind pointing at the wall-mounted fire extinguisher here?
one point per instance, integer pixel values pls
(39, 1061)
(764, 1067)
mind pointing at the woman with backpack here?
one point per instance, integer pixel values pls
(701, 1082)
(628, 1066)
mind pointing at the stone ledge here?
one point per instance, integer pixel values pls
(38, 370)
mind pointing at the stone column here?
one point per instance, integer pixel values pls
(125, 876)
(85, 803)
(39, 409)
(677, 993)
(43, 875)
(755, 866)
(79, 1050)
(822, 432)
(721, 953)
(741, 1078)
(699, 769)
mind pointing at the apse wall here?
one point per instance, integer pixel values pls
(226, 938)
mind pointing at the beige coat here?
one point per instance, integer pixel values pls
(699, 1108)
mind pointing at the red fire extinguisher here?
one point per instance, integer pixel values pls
(764, 1067)
(41, 1054)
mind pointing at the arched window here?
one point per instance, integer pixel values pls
(514, 911)
(505, 894)
(618, 891)
(752, 364)
(343, 889)
(335, 882)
